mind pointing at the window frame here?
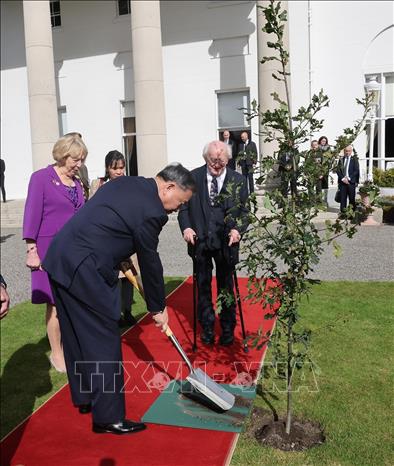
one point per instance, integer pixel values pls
(246, 126)
(54, 15)
(118, 15)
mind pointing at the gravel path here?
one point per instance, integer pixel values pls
(369, 256)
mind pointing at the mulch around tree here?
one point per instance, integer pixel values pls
(271, 432)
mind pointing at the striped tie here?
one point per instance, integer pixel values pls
(214, 190)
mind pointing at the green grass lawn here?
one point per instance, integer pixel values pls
(27, 378)
(352, 396)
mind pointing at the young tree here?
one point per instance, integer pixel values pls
(283, 246)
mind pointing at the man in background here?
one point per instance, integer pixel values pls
(2, 179)
(232, 147)
(247, 158)
(348, 177)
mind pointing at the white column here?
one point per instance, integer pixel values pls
(266, 83)
(41, 81)
(148, 87)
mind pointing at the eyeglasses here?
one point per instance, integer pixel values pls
(216, 162)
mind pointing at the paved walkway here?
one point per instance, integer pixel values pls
(369, 256)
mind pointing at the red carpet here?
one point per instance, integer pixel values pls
(58, 435)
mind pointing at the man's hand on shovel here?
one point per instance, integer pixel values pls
(161, 319)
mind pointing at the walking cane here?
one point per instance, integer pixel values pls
(193, 254)
(241, 317)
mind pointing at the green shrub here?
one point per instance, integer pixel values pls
(387, 204)
(384, 178)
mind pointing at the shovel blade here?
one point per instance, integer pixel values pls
(209, 388)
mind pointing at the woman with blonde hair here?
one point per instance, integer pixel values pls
(54, 195)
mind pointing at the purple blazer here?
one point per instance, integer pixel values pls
(48, 207)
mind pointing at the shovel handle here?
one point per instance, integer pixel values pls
(178, 346)
(133, 280)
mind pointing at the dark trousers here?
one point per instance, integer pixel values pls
(224, 281)
(92, 351)
(247, 173)
(347, 191)
(285, 179)
(126, 296)
(2, 187)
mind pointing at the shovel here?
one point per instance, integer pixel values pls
(197, 378)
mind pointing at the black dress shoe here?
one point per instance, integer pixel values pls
(208, 337)
(129, 319)
(227, 339)
(123, 427)
(85, 409)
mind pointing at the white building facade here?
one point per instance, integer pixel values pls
(209, 69)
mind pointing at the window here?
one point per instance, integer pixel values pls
(129, 137)
(124, 7)
(231, 108)
(383, 147)
(56, 19)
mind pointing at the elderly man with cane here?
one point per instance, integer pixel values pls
(213, 222)
(124, 217)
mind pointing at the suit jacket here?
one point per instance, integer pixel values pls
(247, 155)
(354, 170)
(48, 205)
(231, 210)
(124, 217)
(286, 158)
(232, 161)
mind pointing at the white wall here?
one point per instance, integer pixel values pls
(15, 123)
(193, 69)
(93, 64)
(93, 59)
(341, 34)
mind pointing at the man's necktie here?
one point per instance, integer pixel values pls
(213, 192)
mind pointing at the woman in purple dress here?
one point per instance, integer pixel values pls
(54, 195)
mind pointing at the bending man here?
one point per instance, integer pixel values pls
(123, 218)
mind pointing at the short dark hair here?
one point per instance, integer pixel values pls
(178, 174)
(112, 158)
(321, 138)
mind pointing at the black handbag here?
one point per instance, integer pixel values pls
(338, 196)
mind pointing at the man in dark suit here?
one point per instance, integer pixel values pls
(217, 221)
(124, 217)
(348, 177)
(288, 163)
(232, 149)
(247, 157)
(2, 179)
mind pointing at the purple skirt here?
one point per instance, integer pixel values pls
(40, 288)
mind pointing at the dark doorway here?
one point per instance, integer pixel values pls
(130, 146)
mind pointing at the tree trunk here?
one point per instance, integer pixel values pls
(289, 375)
